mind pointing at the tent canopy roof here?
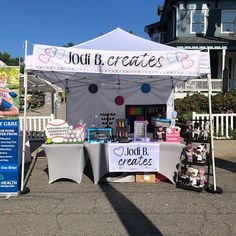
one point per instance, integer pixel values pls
(2, 63)
(120, 40)
(115, 41)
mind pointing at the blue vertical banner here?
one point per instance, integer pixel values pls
(9, 130)
(9, 177)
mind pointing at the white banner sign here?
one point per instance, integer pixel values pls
(176, 62)
(134, 157)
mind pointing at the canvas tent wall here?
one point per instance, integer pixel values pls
(139, 61)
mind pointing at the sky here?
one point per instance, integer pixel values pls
(58, 22)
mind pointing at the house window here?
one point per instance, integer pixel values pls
(197, 25)
(228, 21)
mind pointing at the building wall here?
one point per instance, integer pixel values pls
(212, 16)
(176, 23)
(183, 26)
(231, 62)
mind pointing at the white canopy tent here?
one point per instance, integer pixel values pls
(115, 64)
(139, 61)
(2, 63)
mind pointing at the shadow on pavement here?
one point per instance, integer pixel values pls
(88, 170)
(132, 218)
(225, 164)
(135, 222)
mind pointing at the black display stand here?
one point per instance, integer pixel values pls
(183, 180)
(122, 131)
(107, 119)
(198, 133)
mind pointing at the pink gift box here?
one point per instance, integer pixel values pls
(173, 136)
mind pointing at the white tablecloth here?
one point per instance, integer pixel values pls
(98, 155)
(65, 161)
(168, 160)
(68, 160)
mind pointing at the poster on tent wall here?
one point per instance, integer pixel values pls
(9, 130)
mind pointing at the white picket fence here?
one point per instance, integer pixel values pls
(222, 123)
(35, 123)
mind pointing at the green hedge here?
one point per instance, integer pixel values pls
(221, 103)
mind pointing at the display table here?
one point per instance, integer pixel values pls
(169, 157)
(65, 161)
(68, 160)
(99, 159)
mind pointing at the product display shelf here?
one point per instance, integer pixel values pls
(142, 113)
(122, 130)
(195, 163)
(185, 180)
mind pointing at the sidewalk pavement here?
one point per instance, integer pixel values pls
(225, 148)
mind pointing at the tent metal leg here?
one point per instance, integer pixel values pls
(215, 189)
(32, 164)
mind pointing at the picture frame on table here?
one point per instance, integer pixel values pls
(140, 130)
(99, 135)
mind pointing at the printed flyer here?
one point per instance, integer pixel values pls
(9, 130)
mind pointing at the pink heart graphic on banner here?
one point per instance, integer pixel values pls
(181, 56)
(44, 58)
(51, 52)
(60, 53)
(118, 151)
(187, 64)
(171, 58)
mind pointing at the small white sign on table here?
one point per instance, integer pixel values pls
(134, 157)
(57, 130)
(140, 130)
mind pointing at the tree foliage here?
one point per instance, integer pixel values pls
(70, 44)
(12, 61)
(221, 103)
(8, 60)
(224, 102)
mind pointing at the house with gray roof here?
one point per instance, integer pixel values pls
(204, 25)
